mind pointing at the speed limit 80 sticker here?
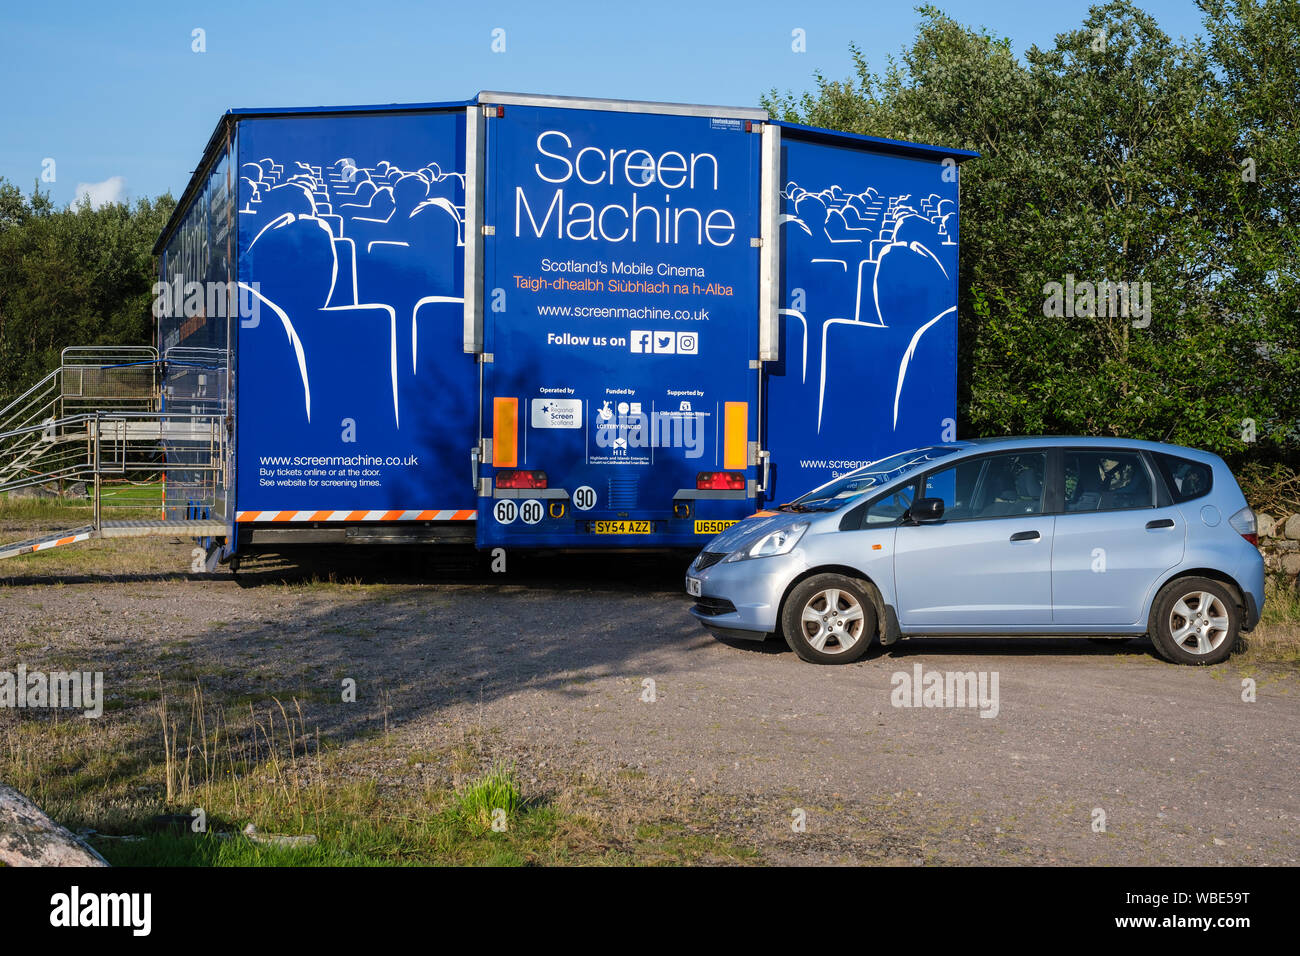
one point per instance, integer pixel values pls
(506, 510)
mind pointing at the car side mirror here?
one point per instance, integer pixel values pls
(926, 509)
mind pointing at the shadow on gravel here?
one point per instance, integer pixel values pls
(423, 632)
(929, 647)
(918, 647)
(142, 577)
(554, 572)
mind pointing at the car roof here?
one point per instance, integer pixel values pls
(1012, 442)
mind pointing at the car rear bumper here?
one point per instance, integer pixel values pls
(1251, 575)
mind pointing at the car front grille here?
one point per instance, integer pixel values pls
(707, 559)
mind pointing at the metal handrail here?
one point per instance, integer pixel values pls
(108, 355)
(46, 381)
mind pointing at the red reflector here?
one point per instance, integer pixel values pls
(1252, 538)
(501, 111)
(521, 479)
(720, 481)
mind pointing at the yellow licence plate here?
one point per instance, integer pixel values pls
(712, 527)
(621, 527)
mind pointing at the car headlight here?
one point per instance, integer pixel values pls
(771, 544)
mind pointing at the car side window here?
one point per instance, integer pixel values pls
(1105, 480)
(995, 486)
(890, 508)
(1185, 479)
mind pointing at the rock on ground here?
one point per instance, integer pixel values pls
(29, 838)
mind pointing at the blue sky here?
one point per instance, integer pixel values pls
(115, 95)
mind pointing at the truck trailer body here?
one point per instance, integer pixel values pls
(547, 322)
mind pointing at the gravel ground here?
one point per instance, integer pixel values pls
(550, 662)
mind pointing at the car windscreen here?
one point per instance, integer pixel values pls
(835, 494)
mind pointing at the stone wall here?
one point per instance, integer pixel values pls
(1279, 540)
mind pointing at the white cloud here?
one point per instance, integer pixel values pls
(111, 190)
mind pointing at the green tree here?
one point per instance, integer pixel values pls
(1114, 155)
(77, 276)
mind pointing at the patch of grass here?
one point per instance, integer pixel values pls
(124, 498)
(208, 849)
(262, 764)
(1281, 602)
(492, 797)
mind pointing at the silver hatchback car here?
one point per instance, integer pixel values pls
(1017, 536)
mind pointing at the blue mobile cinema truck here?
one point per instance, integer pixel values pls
(550, 322)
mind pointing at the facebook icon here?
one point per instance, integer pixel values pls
(642, 341)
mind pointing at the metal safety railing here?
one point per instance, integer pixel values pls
(169, 463)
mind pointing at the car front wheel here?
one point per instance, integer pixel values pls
(1194, 621)
(829, 619)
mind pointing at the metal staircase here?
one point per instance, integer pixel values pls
(94, 431)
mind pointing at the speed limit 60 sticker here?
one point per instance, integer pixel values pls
(507, 510)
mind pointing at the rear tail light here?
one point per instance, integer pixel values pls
(1243, 522)
(521, 479)
(720, 481)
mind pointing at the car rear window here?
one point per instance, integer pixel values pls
(1102, 480)
(1186, 479)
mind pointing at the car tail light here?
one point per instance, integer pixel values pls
(1243, 522)
(720, 481)
(521, 479)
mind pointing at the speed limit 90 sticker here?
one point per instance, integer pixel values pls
(506, 510)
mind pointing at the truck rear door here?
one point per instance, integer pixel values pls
(617, 324)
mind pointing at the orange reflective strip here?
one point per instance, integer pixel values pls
(505, 432)
(735, 444)
(463, 515)
(356, 515)
(283, 516)
(246, 516)
(321, 516)
(391, 516)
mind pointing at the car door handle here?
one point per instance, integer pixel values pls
(1160, 523)
(1026, 536)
